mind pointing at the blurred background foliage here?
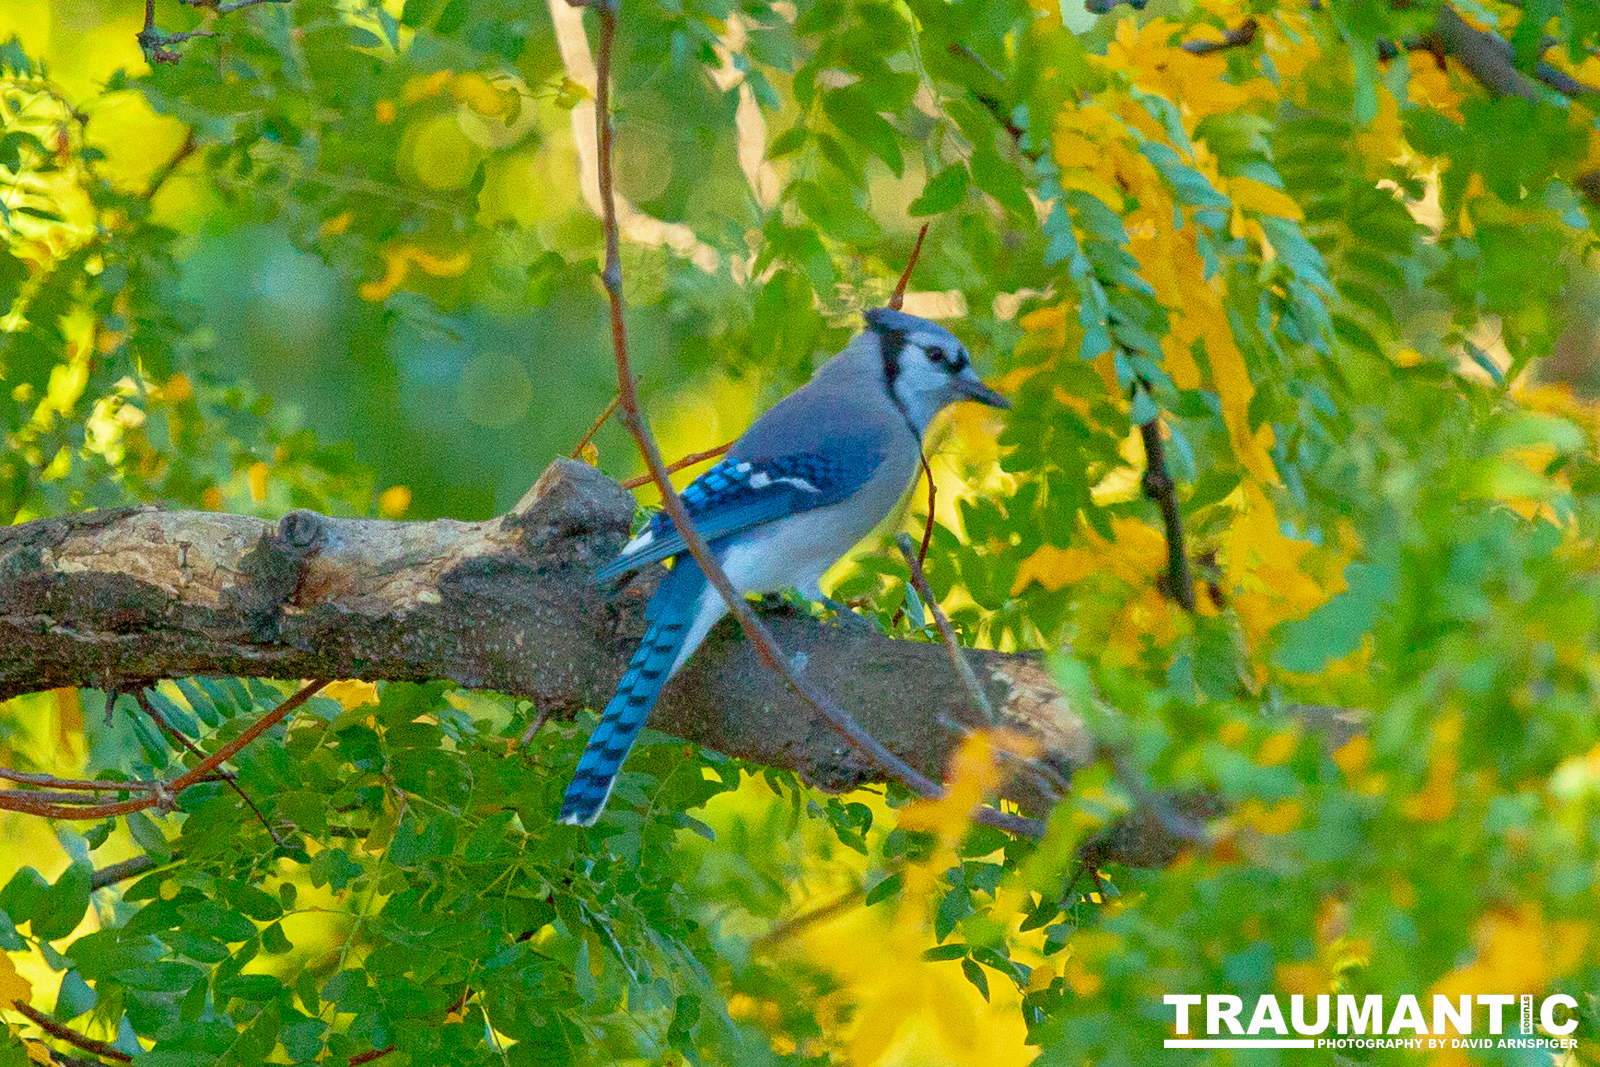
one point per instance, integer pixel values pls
(342, 255)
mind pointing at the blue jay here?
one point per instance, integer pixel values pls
(813, 476)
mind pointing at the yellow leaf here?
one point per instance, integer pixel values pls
(480, 95)
(425, 86)
(1518, 952)
(395, 268)
(1234, 391)
(336, 225)
(1437, 799)
(1353, 756)
(452, 266)
(351, 693)
(1278, 748)
(12, 985)
(258, 481)
(384, 111)
(1259, 196)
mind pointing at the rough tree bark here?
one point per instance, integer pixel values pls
(118, 598)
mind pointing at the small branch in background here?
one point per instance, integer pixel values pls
(159, 795)
(24, 778)
(993, 105)
(784, 930)
(70, 1036)
(367, 1057)
(535, 726)
(235, 5)
(1490, 59)
(898, 297)
(673, 468)
(583, 443)
(1177, 824)
(1158, 486)
(227, 776)
(153, 43)
(1234, 38)
(119, 872)
(920, 582)
(755, 631)
(159, 178)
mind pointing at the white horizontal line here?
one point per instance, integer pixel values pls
(1265, 1042)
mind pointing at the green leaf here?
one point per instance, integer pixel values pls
(61, 909)
(886, 888)
(787, 142)
(943, 192)
(976, 976)
(74, 997)
(23, 895)
(953, 951)
(836, 215)
(1335, 629)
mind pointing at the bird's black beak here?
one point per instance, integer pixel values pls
(973, 389)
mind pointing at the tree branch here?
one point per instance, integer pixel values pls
(1158, 486)
(114, 598)
(1238, 37)
(69, 1035)
(1490, 58)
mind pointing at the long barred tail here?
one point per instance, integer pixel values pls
(672, 614)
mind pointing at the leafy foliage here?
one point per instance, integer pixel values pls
(1345, 272)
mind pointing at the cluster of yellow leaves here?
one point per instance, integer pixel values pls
(1096, 144)
(1519, 952)
(975, 773)
(891, 1007)
(1263, 571)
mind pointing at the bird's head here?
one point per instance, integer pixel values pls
(925, 366)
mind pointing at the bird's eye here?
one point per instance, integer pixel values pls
(936, 355)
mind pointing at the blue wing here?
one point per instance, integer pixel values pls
(738, 493)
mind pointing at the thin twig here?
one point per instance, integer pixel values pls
(235, 5)
(577, 451)
(898, 297)
(227, 776)
(165, 171)
(162, 794)
(1159, 487)
(992, 105)
(786, 929)
(1234, 38)
(1490, 58)
(117, 872)
(367, 1057)
(1173, 821)
(920, 582)
(753, 628)
(535, 726)
(927, 525)
(673, 468)
(24, 778)
(70, 1036)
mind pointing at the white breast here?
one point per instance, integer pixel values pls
(796, 551)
